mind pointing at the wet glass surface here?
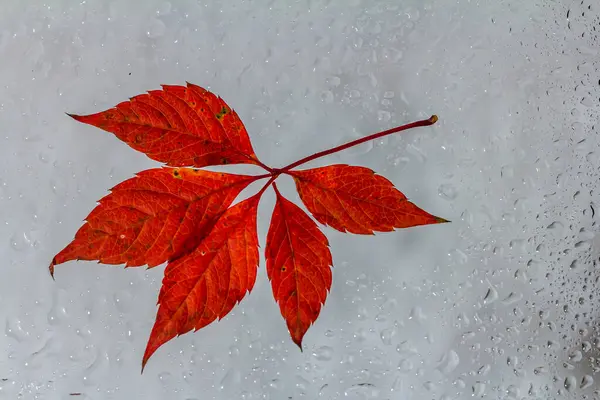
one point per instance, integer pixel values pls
(499, 304)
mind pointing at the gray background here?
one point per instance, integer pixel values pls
(500, 304)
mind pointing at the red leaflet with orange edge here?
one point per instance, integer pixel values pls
(298, 265)
(205, 284)
(356, 200)
(156, 216)
(180, 126)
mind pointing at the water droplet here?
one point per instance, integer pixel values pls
(14, 330)
(20, 241)
(360, 335)
(400, 161)
(383, 116)
(575, 356)
(327, 96)
(56, 314)
(164, 9)
(448, 362)
(234, 351)
(406, 348)
(540, 371)
(43, 157)
(478, 389)
(586, 382)
(513, 392)
(417, 314)
(447, 191)
(405, 365)
(570, 383)
(491, 296)
(586, 346)
(520, 275)
(335, 81)
(512, 298)
(323, 353)
(231, 379)
(556, 225)
(156, 29)
(552, 345)
(387, 335)
(484, 369)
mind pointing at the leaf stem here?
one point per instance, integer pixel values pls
(271, 180)
(263, 166)
(425, 122)
(257, 177)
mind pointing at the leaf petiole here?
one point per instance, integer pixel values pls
(275, 172)
(425, 122)
(269, 182)
(263, 166)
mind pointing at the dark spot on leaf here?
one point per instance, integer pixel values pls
(283, 269)
(222, 113)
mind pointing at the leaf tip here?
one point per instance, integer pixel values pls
(439, 220)
(145, 360)
(74, 116)
(433, 119)
(51, 268)
(297, 339)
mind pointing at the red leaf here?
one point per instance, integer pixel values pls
(156, 216)
(298, 265)
(356, 200)
(205, 284)
(182, 215)
(180, 126)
